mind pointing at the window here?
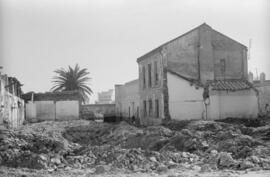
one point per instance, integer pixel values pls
(144, 108)
(149, 75)
(157, 108)
(222, 66)
(156, 72)
(150, 107)
(144, 81)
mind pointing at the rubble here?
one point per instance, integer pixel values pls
(101, 147)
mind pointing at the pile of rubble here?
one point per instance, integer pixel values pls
(203, 145)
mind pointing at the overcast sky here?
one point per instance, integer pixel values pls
(106, 36)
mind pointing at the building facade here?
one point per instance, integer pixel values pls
(106, 97)
(201, 74)
(12, 106)
(127, 100)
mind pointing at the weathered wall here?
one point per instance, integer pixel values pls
(185, 100)
(264, 98)
(45, 110)
(182, 54)
(127, 99)
(52, 110)
(67, 110)
(90, 110)
(11, 107)
(156, 90)
(234, 55)
(239, 104)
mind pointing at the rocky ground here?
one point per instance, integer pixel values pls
(188, 148)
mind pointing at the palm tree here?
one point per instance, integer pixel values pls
(72, 79)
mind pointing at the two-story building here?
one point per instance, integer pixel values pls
(201, 74)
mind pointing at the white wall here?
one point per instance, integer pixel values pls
(50, 110)
(185, 101)
(67, 110)
(45, 110)
(240, 104)
(30, 111)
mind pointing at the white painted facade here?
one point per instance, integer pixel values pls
(185, 100)
(240, 104)
(127, 99)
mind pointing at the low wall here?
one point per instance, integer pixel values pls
(91, 111)
(52, 110)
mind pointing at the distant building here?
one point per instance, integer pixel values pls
(105, 97)
(11, 104)
(127, 99)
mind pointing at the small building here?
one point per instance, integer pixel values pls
(52, 106)
(127, 100)
(201, 74)
(11, 103)
(105, 97)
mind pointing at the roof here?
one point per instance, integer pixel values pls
(230, 85)
(193, 81)
(159, 47)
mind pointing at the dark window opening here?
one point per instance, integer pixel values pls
(149, 75)
(144, 81)
(144, 108)
(157, 108)
(150, 107)
(156, 72)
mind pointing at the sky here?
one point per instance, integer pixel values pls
(107, 36)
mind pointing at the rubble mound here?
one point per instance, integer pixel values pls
(82, 144)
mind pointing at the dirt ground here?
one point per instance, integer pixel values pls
(227, 148)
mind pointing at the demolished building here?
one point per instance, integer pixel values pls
(12, 105)
(201, 74)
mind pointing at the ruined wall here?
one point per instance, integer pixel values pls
(237, 104)
(11, 106)
(182, 54)
(185, 99)
(264, 98)
(127, 99)
(232, 53)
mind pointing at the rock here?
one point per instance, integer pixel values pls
(100, 169)
(225, 160)
(206, 168)
(162, 169)
(153, 159)
(246, 165)
(56, 161)
(255, 159)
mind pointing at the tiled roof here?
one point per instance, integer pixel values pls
(230, 85)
